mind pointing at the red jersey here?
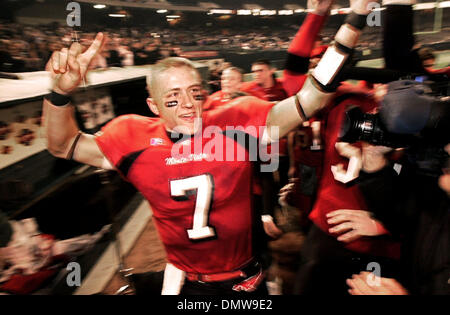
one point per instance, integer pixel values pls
(445, 71)
(300, 51)
(201, 206)
(216, 100)
(273, 94)
(333, 195)
(308, 159)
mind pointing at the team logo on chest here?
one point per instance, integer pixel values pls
(156, 141)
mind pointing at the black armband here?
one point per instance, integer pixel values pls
(343, 48)
(74, 145)
(297, 64)
(58, 99)
(356, 20)
(300, 109)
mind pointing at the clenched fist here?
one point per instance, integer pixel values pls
(68, 67)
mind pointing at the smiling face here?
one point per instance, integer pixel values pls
(178, 98)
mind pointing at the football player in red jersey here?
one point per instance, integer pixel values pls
(201, 203)
(264, 85)
(303, 47)
(230, 82)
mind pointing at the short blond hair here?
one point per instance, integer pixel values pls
(163, 65)
(235, 69)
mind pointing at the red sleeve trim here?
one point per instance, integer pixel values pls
(303, 42)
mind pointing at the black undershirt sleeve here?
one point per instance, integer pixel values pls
(398, 39)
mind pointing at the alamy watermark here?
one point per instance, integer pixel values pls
(73, 278)
(234, 143)
(374, 17)
(74, 17)
(374, 277)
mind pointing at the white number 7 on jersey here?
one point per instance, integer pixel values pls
(204, 185)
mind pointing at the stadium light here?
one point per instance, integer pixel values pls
(299, 11)
(161, 11)
(424, 6)
(244, 12)
(99, 6)
(117, 15)
(334, 11)
(345, 10)
(173, 16)
(285, 12)
(444, 4)
(220, 11)
(268, 12)
(341, 11)
(256, 11)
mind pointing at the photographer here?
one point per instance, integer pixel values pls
(417, 208)
(412, 202)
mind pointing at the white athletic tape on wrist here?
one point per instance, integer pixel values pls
(347, 36)
(397, 2)
(329, 66)
(312, 99)
(266, 218)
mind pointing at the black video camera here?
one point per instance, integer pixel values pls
(360, 126)
(408, 118)
(409, 114)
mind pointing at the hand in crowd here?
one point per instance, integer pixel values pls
(286, 192)
(367, 283)
(361, 6)
(272, 229)
(320, 7)
(69, 66)
(353, 224)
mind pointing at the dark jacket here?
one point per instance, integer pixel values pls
(413, 207)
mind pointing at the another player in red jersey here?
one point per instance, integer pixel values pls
(200, 183)
(230, 83)
(264, 85)
(303, 47)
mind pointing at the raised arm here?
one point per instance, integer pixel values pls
(398, 37)
(67, 69)
(321, 84)
(299, 51)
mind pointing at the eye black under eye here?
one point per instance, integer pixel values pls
(199, 97)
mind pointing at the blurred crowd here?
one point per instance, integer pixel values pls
(28, 47)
